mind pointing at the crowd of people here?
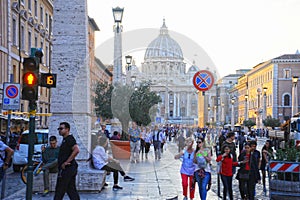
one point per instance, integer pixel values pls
(244, 163)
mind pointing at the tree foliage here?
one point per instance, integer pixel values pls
(102, 100)
(271, 122)
(141, 102)
(249, 123)
(125, 103)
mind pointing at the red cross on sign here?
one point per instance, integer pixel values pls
(203, 80)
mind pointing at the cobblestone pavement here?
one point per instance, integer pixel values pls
(158, 180)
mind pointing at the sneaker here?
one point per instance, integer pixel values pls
(185, 198)
(105, 184)
(46, 192)
(116, 187)
(128, 178)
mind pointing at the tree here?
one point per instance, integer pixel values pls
(271, 122)
(249, 123)
(102, 100)
(126, 104)
(141, 102)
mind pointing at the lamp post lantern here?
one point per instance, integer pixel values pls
(117, 68)
(294, 96)
(232, 113)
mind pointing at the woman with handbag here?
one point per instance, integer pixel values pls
(226, 170)
(244, 172)
(202, 173)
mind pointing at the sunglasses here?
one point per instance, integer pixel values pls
(189, 156)
(199, 142)
(60, 128)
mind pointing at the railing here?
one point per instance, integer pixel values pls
(284, 178)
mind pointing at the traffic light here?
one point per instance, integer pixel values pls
(30, 78)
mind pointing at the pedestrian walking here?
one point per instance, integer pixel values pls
(143, 143)
(148, 138)
(135, 143)
(267, 154)
(67, 165)
(241, 141)
(103, 161)
(254, 169)
(180, 142)
(209, 143)
(243, 174)
(231, 144)
(226, 158)
(202, 173)
(187, 168)
(157, 139)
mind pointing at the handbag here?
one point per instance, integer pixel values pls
(244, 175)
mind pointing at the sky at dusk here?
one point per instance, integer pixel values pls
(234, 34)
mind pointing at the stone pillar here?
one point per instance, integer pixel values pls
(294, 96)
(117, 73)
(188, 106)
(70, 100)
(175, 105)
(179, 103)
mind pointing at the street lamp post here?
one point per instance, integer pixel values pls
(208, 109)
(117, 68)
(222, 113)
(129, 74)
(294, 96)
(265, 103)
(232, 113)
(246, 106)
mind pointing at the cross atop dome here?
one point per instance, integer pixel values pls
(164, 28)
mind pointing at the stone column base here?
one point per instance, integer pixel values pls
(87, 180)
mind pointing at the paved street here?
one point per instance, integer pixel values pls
(154, 180)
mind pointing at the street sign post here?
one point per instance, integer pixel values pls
(203, 80)
(11, 96)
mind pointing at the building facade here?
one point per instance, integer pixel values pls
(266, 90)
(164, 68)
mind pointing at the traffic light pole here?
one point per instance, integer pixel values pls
(32, 108)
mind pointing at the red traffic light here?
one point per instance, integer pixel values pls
(30, 79)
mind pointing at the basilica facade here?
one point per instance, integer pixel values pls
(167, 73)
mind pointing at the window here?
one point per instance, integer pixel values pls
(46, 56)
(35, 41)
(29, 5)
(286, 73)
(42, 14)
(29, 42)
(22, 38)
(47, 20)
(35, 7)
(14, 32)
(286, 100)
(50, 25)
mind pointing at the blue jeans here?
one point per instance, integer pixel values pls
(227, 186)
(202, 184)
